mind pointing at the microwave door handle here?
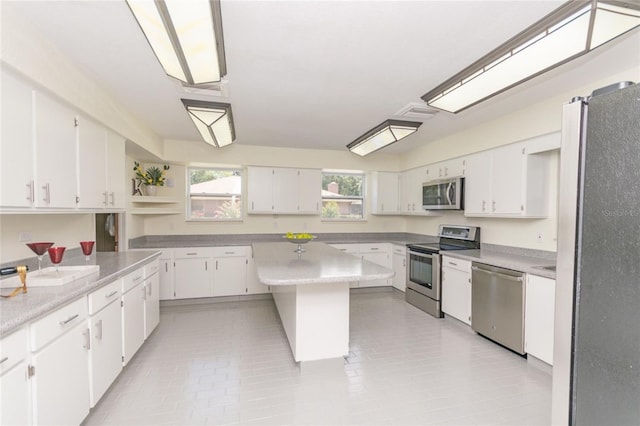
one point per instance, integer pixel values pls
(449, 202)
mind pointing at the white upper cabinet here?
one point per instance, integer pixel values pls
(101, 167)
(309, 191)
(55, 154)
(281, 190)
(116, 173)
(385, 193)
(16, 150)
(92, 174)
(507, 182)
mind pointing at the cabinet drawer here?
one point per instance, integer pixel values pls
(131, 280)
(398, 249)
(347, 248)
(459, 264)
(185, 253)
(13, 349)
(373, 248)
(151, 268)
(103, 296)
(55, 324)
(231, 251)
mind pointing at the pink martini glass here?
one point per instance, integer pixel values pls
(87, 248)
(39, 249)
(55, 254)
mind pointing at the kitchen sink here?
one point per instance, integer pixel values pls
(551, 268)
(48, 277)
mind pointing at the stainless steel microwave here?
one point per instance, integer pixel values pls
(443, 194)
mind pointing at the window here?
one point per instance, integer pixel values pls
(215, 194)
(342, 196)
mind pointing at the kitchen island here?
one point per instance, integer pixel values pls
(311, 292)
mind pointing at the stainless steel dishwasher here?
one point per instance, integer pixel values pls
(497, 305)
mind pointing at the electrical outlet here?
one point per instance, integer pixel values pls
(25, 237)
(170, 182)
(540, 239)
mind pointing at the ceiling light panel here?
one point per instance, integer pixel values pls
(386, 133)
(186, 37)
(565, 34)
(213, 120)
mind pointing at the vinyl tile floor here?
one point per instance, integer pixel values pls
(230, 363)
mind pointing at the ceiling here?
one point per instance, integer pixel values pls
(304, 74)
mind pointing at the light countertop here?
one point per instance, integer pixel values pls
(516, 262)
(39, 301)
(279, 264)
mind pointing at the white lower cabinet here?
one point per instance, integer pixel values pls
(539, 317)
(399, 280)
(230, 270)
(60, 374)
(192, 272)
(151, 299)
(456, 288)
(165, 272)
(14, 380)
(105, 325)
(133, 298)
(380, 254)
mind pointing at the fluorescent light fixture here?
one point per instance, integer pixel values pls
(389, 132)
(213, 120)
(186, 37)
(565, 34)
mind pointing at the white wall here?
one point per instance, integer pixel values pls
(240, 156)
(65, 230)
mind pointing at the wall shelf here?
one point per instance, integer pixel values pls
(145, 199)
(153, 211)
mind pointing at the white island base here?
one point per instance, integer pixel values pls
(315, 318)
(311, 291)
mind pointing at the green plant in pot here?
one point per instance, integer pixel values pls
(152, 177)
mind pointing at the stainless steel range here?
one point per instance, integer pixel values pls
(424, 287)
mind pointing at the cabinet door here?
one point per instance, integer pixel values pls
(385, 193)
(116, 171)
(477, 191)
(456, 294)
(285, 190)
(508, 180)
(105, 355)
(60, 384)
(230, 276)
(309, 191)
(259, 189)
(379, 258)
(92, 180)
(400, 269)
(151, 304)
(167, 291)
(132, 321)
(192, 278)
(14, 410)
(55, 153)
(539, 317)
(254, 286)
(16, 150)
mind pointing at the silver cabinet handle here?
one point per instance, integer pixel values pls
(144, 293)
(451, 263)
(113, 198)
(493, 205)
(498, 274)
(138, 278)
(67, 321)
(252, 205)
(192, 254)
(4, 359)
(104, 194)
(166, 266)
(404, 262)
(484, 204)
(113, 293)
(47, 194)
(206, 265)
(87, 339)
(149, 289)
(99, 330)
(229, 252)
(30, 191)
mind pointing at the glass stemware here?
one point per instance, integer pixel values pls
(55, 254)
(87, 248)
(39, 249)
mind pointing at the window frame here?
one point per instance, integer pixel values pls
(189, 213)
(362, 197)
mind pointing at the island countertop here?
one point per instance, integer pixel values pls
(279, 264)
